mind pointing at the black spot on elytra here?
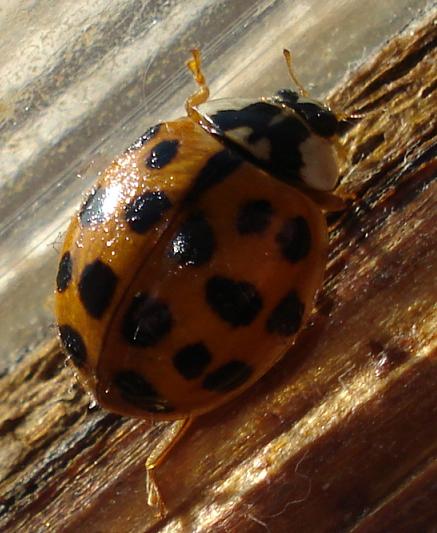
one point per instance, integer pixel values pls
(228, 377)
(146, 210)
(254, 217)
(147, 321)
(162, 154)
(286, 317)
(191, 361)
(236, 302)
(136, 390)
(284, 132)
(65, 270)
(194, 243)
(294, 239)
(96, 287)
(92, 211)
(73, 344)
(147, 136)
(216, 170)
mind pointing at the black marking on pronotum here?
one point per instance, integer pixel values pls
(320, 119)
(255, 116)
(284, 132)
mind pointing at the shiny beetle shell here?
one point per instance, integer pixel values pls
(195, 259)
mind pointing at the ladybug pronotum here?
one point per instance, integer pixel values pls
(196, 257)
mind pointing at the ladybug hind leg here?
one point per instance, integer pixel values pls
(156, 458)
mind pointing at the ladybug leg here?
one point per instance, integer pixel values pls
(156, 458)
(201, 95)
(329, 202)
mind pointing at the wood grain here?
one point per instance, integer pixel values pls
(342, 434)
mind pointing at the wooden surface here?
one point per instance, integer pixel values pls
(339, 436)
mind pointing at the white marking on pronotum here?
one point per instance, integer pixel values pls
(319, 169)
(261, 149)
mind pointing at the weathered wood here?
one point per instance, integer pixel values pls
(342, 434)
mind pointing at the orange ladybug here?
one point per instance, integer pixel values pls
(196, 257)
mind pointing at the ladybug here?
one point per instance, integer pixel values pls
(196, 257)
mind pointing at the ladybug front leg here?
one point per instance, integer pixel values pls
(202, 94)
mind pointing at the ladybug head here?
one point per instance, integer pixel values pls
(319, 118)
(288, 134)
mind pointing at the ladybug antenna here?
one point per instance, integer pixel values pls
(201, 95)
(341, 115)
(294, 79)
